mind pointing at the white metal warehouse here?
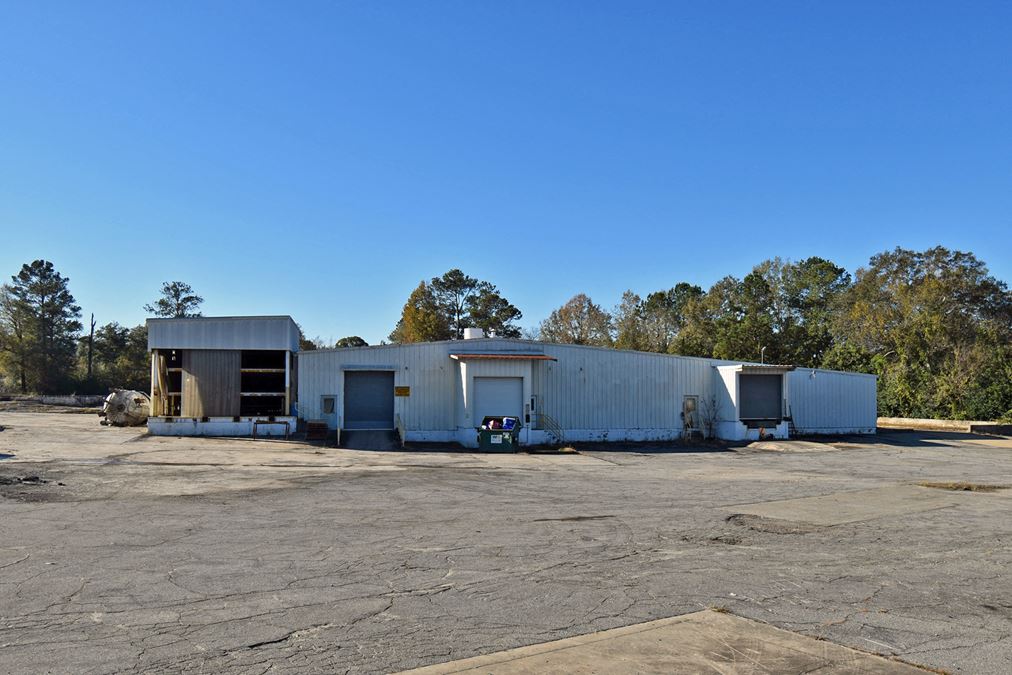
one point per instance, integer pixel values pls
(440, 391)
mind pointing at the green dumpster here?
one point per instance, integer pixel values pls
(499, 434)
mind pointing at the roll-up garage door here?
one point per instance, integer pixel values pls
(368, 399)
(498, 396)
(760, 397)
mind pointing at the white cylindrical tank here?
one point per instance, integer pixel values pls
(473, 333)
(126, 408)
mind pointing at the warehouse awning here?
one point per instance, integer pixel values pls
(763, 369)
(503, 357)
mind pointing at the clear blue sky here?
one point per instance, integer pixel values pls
(319, 159)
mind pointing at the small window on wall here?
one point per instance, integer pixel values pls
(328, 405)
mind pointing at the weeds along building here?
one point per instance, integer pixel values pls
(229, 376)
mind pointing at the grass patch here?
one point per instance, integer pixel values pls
(962, 486)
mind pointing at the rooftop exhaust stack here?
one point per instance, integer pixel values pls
(473, 333)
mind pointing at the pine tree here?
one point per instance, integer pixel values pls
(178, 300)
(41, 321)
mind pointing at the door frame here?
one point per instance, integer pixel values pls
(344, 398)
(694, 415)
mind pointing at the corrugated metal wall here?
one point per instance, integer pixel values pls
(827, 401)
(272, 332)
(211, 382)
(590, 388)
(586, 389)
(426, 368)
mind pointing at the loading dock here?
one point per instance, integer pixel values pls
(752, 399)
(498, 397)
(369, 399)
(761, 398)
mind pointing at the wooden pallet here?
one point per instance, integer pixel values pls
(316, 430)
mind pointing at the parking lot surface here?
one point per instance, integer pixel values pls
(121, 552)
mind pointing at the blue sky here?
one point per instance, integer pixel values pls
(319, 159)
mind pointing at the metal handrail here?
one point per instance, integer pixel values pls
(552, 426)
(400, 429)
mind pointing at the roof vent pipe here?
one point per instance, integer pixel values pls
(473, 333)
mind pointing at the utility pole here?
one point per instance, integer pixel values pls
(91, 345)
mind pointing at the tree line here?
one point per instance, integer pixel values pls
(443, 307)
(935, 326)
(43, 349)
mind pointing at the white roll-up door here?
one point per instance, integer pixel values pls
(498, 396)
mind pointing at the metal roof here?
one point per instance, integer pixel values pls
(503, 357)
(764, 368)
(224, 332)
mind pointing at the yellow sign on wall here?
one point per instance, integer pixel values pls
(402, 391)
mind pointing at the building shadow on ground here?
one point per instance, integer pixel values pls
(908, 438)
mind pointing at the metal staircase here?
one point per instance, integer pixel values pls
(550, 424)
(792, 430)
(401, 432)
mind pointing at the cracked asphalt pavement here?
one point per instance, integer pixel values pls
(131, 553)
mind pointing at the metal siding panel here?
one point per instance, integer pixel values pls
(830, 400)
(425, 367)
(211, 381)
(536, 377)
(620, 390)
(279, 333)
(615, 390)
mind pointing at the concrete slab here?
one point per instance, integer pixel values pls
(791, 446)
(701, 642)
(236, 464)
(370, 439)
(997, 442)
(852, 506)
(138, 554)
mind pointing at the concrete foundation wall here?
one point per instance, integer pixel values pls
(222, 426)
(469, 437)
(965, 426)
(73, 400)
